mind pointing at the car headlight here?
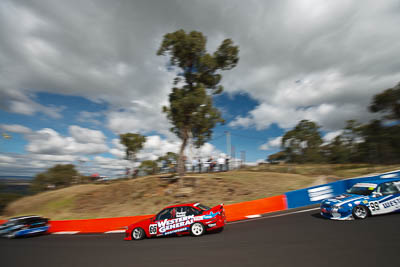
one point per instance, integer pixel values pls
(335, 208)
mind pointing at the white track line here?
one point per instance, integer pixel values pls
(253, 216)
(66, 233)
(115, 231)
(274, 216)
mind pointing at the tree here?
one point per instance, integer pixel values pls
(168, 158)
(133, 143)
(191, 109)
(387, 102)
(302, 144)
(58, 176)
(277, 157)
(336, 151)
(149, 166)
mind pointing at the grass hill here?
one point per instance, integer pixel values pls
(147, 195)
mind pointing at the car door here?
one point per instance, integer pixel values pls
(162, 221)
(388, 199)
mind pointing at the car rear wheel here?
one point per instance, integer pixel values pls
(137, 233)
(197, 229)
(360, 212)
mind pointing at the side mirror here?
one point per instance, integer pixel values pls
(376, 194)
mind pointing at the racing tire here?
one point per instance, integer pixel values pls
(360, 212)
(197, 229)
(138, 233)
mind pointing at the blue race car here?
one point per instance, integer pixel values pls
(364, 199)
(24, 226)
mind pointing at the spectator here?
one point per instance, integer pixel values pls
(227, 164)
(206, 165)
(221, 162)
(194, 163)
(199, 163)
(211, 165)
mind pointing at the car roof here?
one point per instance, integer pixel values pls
(25, 217)
(181, 205)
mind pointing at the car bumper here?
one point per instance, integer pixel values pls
(128, 235)
(340, 214)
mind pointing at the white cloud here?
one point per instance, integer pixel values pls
(6, 159)
(48, 141)
(272, 143)
(90, 117)
(84, 135)
(280, 43)
(315, 60)
(15, 128)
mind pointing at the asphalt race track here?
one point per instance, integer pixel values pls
(301, 239)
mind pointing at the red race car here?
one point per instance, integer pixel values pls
(192, 218)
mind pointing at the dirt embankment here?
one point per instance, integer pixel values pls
(147, 195)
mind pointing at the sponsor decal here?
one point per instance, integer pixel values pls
(210, 216)
(166, 225)
(392, 175)
(391, 203)
(181, 214)
(342, 196)
(198, 218)
(320, 193)
(365, 201)
(176, 231)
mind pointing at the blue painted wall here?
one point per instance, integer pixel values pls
(315, 194)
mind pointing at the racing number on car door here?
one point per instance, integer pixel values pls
(153, 229)
(374, 205)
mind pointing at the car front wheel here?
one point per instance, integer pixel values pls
(137, 233)
(360, 212)
(197, 229)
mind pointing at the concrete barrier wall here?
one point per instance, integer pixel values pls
(234, 212)
(240, 211)
(94, 225)
(314, 195)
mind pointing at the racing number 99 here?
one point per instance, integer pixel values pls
(374, 205)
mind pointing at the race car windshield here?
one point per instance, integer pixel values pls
(360, 190)
(203, 207)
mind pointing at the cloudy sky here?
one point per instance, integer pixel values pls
(75, 74)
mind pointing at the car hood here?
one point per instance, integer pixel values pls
(345, 198)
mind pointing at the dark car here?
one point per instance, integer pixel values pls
(24, 226)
